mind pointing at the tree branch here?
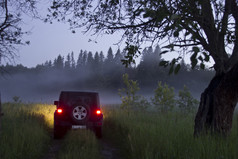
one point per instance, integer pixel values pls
(132, 26)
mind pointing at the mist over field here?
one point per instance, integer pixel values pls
(94, 72)
(45, 87)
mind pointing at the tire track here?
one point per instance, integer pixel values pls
(108, 151)
(54, 147)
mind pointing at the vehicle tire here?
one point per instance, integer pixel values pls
(98, 132)
(80, 114)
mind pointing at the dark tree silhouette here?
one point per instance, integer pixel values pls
(90, 60)
(67, 63)
(80, 60)
(109, 60)
(101, 57)
(59, 62)
(118, 57)
(96, 62)
(207, 29)
(73, 65)
(11, 33)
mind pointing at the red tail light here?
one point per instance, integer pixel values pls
(59, 111)
(98, 112)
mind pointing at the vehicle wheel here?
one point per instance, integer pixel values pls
(80, 114)
(98, 132)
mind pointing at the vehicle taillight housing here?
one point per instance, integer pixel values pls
(59, 111)
(98, 112)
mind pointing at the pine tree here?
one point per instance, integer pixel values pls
(80, 60)
(109, 59)
(96, 61)
(90, 60)
(67, 62)
(118, 57)
(59, 62)
(72, 60)
(101, 58)
(85, 57)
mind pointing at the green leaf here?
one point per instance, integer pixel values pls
(177, 68)
(207, 57)
(173, 61)
(202, 66)
(163, 63)
(171, 70)
(176, 33)
(196, 49)
(174, 16)
(194, 63)
(200, 58)
(194, 56)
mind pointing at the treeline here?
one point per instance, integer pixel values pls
(104, 71)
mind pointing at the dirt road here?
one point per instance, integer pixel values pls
(107, 150)
(54, 148)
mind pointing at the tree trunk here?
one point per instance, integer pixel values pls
(1, 114)
(217, 104)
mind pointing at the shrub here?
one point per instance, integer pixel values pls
(128, 95)
(186, 102)
(164, 99)
(16, 99)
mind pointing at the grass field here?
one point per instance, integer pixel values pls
(27, 129)
(145, 135)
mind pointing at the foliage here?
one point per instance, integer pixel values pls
(80, 144)
(131, 101)
(99, 77)
(11, 32)
(164, 98)
(186, 102)
(186, 25)
(16, 99)
(24, 130)
(156, 135)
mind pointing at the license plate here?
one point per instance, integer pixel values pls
(78, 126)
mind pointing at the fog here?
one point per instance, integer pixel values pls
(46, 87)
(89, 72)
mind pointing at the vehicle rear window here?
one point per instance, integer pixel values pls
(76, 98)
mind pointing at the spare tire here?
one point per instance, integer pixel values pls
(80, 114)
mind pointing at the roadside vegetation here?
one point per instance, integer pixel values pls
(153, 135)
(159, 127)
(137, 134)
(80, 144)
(25, 132)
(165, 128)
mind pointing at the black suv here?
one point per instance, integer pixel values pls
(77, 110)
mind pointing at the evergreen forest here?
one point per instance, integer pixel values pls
(97, 72)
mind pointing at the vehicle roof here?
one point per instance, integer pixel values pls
(80, 92)
(89, 98)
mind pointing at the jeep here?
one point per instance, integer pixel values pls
(77, 110)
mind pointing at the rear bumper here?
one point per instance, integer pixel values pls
(69, 125)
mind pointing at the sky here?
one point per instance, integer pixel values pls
(47, 41)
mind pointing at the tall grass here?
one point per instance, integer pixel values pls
(24, 134)
(141, 135)
(150, 135)
(80, 144)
